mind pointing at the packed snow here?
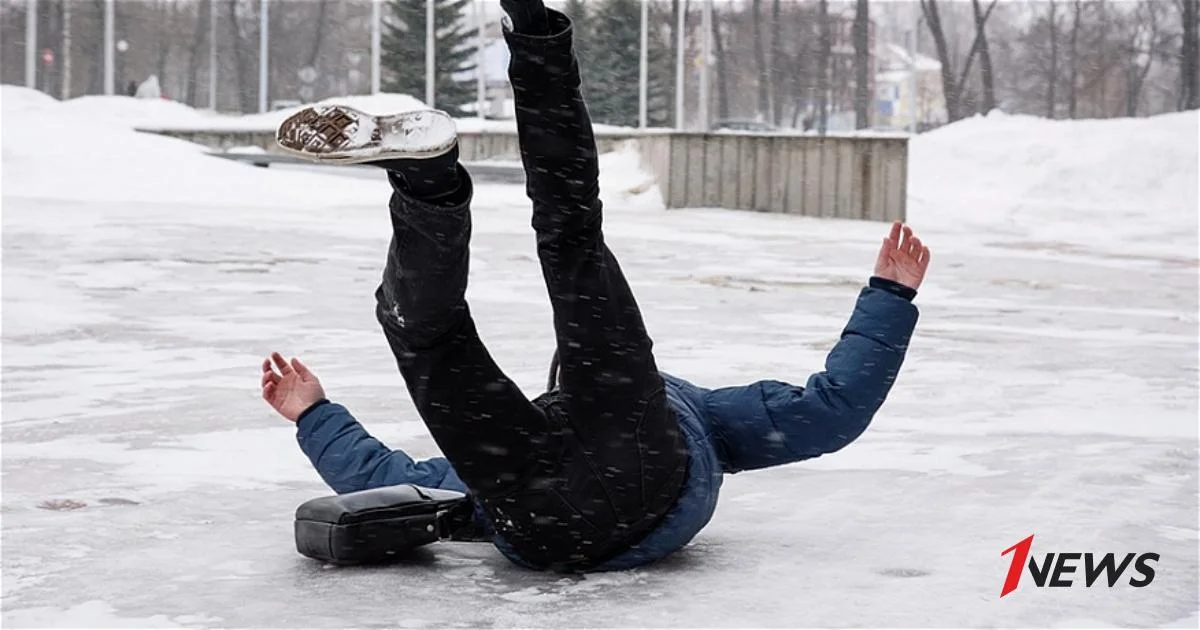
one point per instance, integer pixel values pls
(1050, 388)
(163, 115)
(1125, 186)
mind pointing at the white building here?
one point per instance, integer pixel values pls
(497, 92)
(895, 98)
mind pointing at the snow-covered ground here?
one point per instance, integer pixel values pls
(159, 114)
(1051, 388)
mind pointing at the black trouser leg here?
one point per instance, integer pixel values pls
(482, 422)
(631, 456)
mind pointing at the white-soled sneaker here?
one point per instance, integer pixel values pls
(344, 135)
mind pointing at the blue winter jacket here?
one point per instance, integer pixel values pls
(728, 430)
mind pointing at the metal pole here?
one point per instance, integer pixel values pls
(66, 51)
(212, 55)
(644, 68)
(430, 56)
(264, 50)
(109, 45)
(31, 44)
(706, 53)
(480, 70)
(376, 45)
(679, 26)
(912, 81)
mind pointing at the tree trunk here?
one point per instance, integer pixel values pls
(165, 44)
(722, 81)
(775, 66)
(675, 9)
(193, 65)
(318, 31)
(245, 97)
(760, 62)
(96, 61)
(824, 57)
(986, 74)
(1073, 67)
(1147, 16)
(1051, 97)
(949, 85)
(1189, 62)
(862, 64)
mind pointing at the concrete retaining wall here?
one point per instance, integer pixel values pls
(862, 178)
(845, 177)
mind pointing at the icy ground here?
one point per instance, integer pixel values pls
(1050, 389)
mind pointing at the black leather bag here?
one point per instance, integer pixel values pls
(377, 526)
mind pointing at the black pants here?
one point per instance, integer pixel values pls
(577, 475)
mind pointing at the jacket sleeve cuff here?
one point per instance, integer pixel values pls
(311, 408)
(893, 287)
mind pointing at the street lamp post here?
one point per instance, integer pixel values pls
(430, 55)
(644, 67)
(705, 59)
(212, 55)
(480, 61)
(31, 44)
(264, 53)
(680, 23)
(376, 44)
(109, 54)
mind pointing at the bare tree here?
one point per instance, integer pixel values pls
(760, 62)
(775, 62)
(933, 21)
(862, 64)
(319, 28)
(1051, 100)
(986, 73)
(244, 95)
(1147, 42)
(675, 9)
(1189, 56)
(193, 65)
(1073, 56)
(958, 97)
(722, 72)
(165, 19)
(823, 59)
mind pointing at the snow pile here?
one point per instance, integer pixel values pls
(86, 149)
(1127, 184)
(161, 114)
(625, 183)
(60, 151)
(128, 111)
(18, 100)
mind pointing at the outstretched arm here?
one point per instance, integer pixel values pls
(341, 450)
(349, 459)
(771, 422)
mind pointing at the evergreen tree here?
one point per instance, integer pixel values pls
(403, 44)
(613, 46)
(577, 10)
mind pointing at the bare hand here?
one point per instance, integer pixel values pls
(902, 257)
(292, 390)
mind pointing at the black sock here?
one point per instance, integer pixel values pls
(528, 16)
(428, 179)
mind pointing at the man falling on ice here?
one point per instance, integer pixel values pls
(620, 464)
